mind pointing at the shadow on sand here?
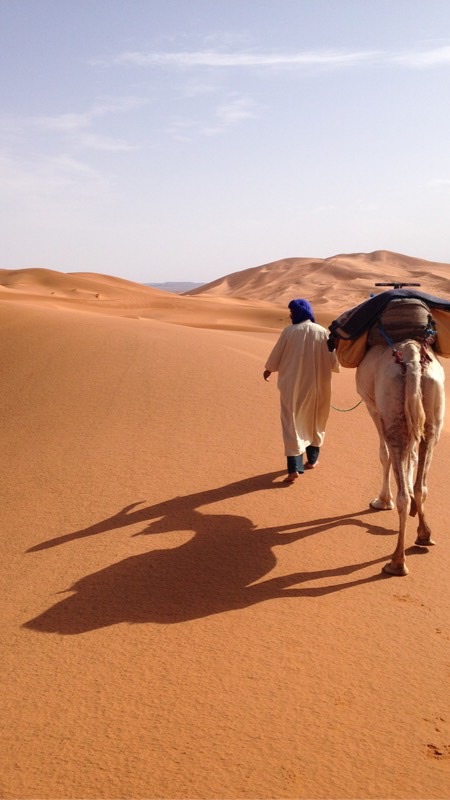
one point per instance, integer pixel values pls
(219, 569)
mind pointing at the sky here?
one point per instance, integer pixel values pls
(184, 140)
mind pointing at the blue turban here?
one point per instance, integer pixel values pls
(300, 311)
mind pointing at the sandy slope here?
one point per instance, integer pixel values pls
(336, 282)
(177, 623)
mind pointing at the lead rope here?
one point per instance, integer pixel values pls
(430, 338)
(346, 409)
(398, 356)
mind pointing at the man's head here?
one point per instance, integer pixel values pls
(300, 311)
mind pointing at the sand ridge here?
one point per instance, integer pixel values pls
(340, 281)
(177, 622)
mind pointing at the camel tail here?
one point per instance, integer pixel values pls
(414, 410)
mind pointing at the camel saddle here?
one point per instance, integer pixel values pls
(390, 317)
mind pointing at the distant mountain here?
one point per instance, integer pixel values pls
(329, 281)
(174, 286)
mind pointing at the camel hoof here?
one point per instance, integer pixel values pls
(392, 569)
(382, 505)
(425, 542)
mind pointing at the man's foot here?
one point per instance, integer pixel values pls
(312, 456)
(291, 477)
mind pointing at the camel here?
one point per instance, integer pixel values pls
(402, 386)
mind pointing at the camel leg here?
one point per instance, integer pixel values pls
(407, 406)
(434, 404)
(397, 565)
(384, 501)
(420, 492)
(412, 471)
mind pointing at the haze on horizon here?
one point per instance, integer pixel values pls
(164, 140)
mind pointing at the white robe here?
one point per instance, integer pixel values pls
(304, 365)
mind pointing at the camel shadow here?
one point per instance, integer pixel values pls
(218, 570)
(221, 568)
(180, 513)
(176, 510)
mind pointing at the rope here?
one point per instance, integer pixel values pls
(346, 409)
(396, 354)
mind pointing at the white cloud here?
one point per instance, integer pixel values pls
(198, 89)
(182, 130)
(439, 56)
(211, 58)
(48, 178)
(76, 121)
(229, 113)
(106, 144)
(439, 183)
(235, 110)
(63, 123)
(419, 58)
(79, 127)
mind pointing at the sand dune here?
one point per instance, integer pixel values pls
(340, 281)
(109, 295)
(177, 622)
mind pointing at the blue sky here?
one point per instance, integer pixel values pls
(188, 139)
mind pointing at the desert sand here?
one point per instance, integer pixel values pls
(177, 621)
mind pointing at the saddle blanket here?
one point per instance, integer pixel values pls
(400, 314)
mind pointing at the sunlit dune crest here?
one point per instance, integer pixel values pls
(338, 281)
(254, 298)
(109, 295)
(80, 285)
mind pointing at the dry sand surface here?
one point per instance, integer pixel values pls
(177, 622)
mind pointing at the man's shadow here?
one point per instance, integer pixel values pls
(219, 569)
(175, 511)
